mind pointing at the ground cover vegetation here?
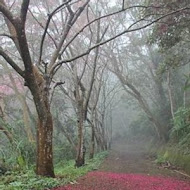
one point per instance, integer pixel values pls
(27, 179)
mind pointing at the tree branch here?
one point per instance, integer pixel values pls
(123, 5)
(93, 71)
(102, 17)
(118, 35)
(41, 25)
(7, 35)
(56, 84)
(73, 18)
(11, 62)
(7, 133)
(24, 10)
(46, 27)
(6, 12)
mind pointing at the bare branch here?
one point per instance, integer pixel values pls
(12, 4)
(93, 71)
(54, 87)
(41, 25)
(47, 25)
(69, 9)
(66, 93)
(24, 10)
(118, 35)
(11, 62)
(7, 133)
(6, 35)
(123, 5)
(99, 18)
(6, 12)
(11, 24)
(73, 18)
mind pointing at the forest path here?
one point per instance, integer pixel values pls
(129, 167)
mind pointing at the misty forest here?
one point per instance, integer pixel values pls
(94, 94)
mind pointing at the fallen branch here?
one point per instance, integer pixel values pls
(182, 173)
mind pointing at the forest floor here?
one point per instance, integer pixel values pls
(130, 167)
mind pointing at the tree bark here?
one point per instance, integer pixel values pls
(39, 88)
(80, 159)
(44, 146)
(92, 145)
(170, 94)
(92, 148)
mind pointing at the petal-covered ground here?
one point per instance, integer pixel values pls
(116, 181)
(129, 167)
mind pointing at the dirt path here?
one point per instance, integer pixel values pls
(128, 167)
(134, 158)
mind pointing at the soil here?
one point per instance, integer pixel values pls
(129, 166)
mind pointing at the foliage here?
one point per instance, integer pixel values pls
(171, 31)
(65, 172)
(177, 151)
(172, 34)
(162, 158)
(26, 180)
(181, 126)
(63, 151)
(175, 155)
(20, 155)
(70, 173)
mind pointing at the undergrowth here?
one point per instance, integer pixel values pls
(175, 156)
(65, 173)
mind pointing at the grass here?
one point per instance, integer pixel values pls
(65, 172)
(70, 173)
(175, 157)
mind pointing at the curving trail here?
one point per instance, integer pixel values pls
(128, 167)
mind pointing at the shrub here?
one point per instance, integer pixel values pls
(181, 126)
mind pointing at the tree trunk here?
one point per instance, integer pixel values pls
(111, 130)
(44, 141)
(22, 99)
(99, 136)
(160, 130)
(44, 146)
(40, 91)
(5, 131)
(92, 149)
(80, 159)
(170, 94)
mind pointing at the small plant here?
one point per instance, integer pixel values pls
(160, 160)
(65, 172)
(181, 125)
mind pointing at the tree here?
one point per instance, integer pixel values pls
(39, 85)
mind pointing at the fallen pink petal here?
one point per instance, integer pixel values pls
(117, 181)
